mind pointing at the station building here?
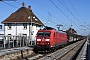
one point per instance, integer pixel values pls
(22, 22)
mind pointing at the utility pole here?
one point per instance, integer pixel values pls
(30, 29)
(58, 26)
(49, 17)
(71, 26)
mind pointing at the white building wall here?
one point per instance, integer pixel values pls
(7, 31)
(18, 29)
(2, 32)
(34, 30)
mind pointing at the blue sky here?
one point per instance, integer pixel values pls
(55, 12)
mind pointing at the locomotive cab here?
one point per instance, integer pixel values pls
(43, 40)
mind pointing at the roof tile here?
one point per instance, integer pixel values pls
(21, 15)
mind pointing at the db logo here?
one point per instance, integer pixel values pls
(42, 39)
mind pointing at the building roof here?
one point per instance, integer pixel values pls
(71, 31)
(21, 16)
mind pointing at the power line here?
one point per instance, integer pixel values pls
(61, 11)
(44, 8)
(18, 3)
(39, 4)
(44, 18)
(10, 4)
(75, 10)
(69, 11)
(64, 3)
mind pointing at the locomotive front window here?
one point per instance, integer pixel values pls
(40, 34)
(44, 34)
(47, 34)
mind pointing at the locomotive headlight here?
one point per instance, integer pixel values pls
(47, 39)
(37, 43)
(38, 39)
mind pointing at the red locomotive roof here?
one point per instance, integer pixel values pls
(48, 29)
(52, 30)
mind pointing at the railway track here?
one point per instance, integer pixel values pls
(65, 53)
(73, 52)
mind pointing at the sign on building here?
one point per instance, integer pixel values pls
(0, 26)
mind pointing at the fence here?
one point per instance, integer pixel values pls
(10, 41)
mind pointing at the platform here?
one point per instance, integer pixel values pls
(14, 53)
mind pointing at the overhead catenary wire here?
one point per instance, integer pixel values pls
(18, 3)
(41, 6)
(73, 7)
(75, 11)
(64, 3)
(44, 18)
(9, 4)
(70, 11)
(45, 9)
(61, 11)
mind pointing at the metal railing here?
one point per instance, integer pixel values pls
(12, 41)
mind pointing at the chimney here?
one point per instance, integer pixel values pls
(29, 7)
(23, 4)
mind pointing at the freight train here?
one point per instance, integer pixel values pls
(48, 39)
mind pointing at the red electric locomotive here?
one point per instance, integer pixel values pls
(49, 39)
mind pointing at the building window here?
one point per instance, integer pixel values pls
(33, 24)
(24, 26)
(25, 34)
(9, 34)
(9, 26)
(0, 26)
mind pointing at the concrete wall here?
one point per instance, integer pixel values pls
(15, 54)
